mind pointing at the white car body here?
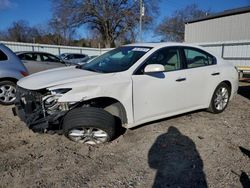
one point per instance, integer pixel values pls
(144, 97)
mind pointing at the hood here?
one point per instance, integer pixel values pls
(54, 77)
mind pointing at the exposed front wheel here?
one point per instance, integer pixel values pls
(7, 92)
(89, 125)
(220, 99)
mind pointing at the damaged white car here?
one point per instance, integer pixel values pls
(127, 86)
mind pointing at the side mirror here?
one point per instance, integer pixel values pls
(154, 68)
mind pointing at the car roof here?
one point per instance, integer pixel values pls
(169, 44)
(33, 52)
(72, 54)
(162, 44)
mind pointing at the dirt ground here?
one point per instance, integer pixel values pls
(198, 149)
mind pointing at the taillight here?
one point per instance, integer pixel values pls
(24, 73)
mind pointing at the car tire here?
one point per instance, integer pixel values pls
(220, 99)
(7, 92)
(89, 125)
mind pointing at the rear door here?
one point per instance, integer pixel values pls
(202, 76)
(50, 61)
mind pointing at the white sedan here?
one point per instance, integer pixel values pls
(134, 84)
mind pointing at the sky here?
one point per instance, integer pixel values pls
(38, 12)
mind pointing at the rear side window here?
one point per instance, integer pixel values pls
(3, 56)
(198, 58)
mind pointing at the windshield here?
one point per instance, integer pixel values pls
(117, 60)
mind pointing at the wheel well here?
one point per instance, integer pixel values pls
(228, 84)
(110, 105)
(9, 79)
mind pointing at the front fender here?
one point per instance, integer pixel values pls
(121, 92)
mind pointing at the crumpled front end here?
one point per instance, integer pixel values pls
(38, 109)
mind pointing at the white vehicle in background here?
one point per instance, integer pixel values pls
(73, 58)
(134, 84)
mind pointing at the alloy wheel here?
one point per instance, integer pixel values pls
(89, 135)
(221, 99)
(7, 93)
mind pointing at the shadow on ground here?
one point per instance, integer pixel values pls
(244, 178)
(244, 91)
(177, 161)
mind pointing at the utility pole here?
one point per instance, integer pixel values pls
(142, 10)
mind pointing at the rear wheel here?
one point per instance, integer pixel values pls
(7, 92)
(89, 125)
(220, 98)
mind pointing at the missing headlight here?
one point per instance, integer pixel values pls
(50, 101)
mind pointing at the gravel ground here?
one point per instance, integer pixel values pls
(197, 149)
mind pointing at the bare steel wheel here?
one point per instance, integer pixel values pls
(7, 92)
(89, 125)
(220, 98)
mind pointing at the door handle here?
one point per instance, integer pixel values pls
(215, 74)
(180, 79)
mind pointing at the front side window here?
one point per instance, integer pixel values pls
(68, 57)
(48, 57)
(28, 57)
(117, 60)
(168, 57)
(79, 56)
(198, 58)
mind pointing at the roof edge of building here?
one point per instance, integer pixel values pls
(225, 13)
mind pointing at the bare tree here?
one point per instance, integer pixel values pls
(18, 31)
(62, 23)
(172, 28)
(111, 19)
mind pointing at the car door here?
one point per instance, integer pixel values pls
(69, 58)
(202, 76)
(32, 62)
(50, 61)
(159, 95)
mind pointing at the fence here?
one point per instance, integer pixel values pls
(237, 52)
(53, 49)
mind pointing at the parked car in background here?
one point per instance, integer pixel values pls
(39, 61)
(87, 60)
(73, 58)
(134, 84)
(11, 70)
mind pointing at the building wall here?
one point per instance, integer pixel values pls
(237, 52)
(229, 28)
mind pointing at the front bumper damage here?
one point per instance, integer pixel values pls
(30, 108)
